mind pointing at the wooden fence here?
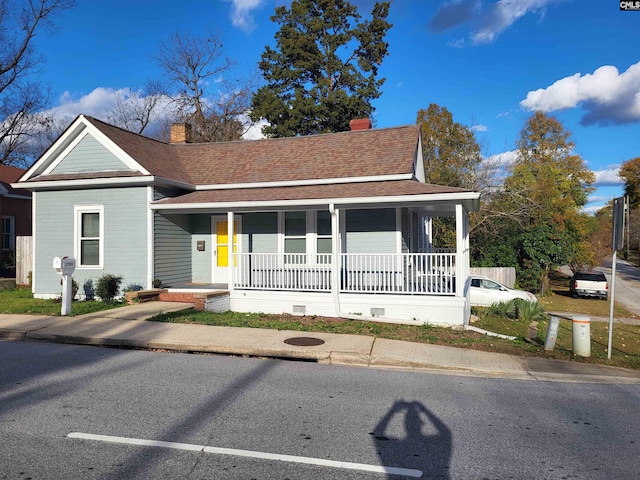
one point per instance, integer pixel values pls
(503, 275)
(24, 259)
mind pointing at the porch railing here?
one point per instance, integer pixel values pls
(405, 273)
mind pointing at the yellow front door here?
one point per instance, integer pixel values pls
(221, 242)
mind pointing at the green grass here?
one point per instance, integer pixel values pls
(21, 301)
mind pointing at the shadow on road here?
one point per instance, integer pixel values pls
(145, 459)
(425, 444)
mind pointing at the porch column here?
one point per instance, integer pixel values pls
(335, 250)
(462, 250)
(231, 266)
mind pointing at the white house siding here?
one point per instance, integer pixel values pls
(89, 155)
(124, 237)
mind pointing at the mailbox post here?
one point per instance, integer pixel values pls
(65, 267)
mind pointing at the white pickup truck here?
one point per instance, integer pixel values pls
(589, 284)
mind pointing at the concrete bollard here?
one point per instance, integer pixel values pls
(552, 332)
(581, 335)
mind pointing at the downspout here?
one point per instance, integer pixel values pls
(336, 270)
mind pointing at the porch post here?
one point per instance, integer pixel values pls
(230, 263)
(462, 250)
(335, 250)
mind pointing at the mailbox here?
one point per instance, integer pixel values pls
(64, 265)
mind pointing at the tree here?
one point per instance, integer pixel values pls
(193, 65)
(134, 110)
(630, 172)
(556, 183)
(450, 150)
(323, 71)
(21, 98)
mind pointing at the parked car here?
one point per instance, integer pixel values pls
(589, 284)
(485, 292)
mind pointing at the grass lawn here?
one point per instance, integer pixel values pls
(21, 301)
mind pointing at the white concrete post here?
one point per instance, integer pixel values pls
(230, 264)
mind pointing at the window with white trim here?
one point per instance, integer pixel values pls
(89, 236)
(295, 236)
(8, 233)
(323, 236)
(306, 236)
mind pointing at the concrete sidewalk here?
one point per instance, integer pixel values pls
(123, 327)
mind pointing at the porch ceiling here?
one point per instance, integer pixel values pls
(353, 195)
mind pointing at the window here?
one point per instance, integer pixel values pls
(323, 236)
(295, 236)
(8, 233)
(89, 236)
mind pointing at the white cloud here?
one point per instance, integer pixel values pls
(608, 177)
(606, 95)
(487, 20)
(499, 16)
(480, 128)
(241, 13)
(458, 43)
(599, 199)
(94, 104)
(504, 159)
(592, 209)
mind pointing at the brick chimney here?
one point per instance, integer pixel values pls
(181, 133)
(360, 124)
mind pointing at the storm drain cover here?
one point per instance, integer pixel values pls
(304, 341)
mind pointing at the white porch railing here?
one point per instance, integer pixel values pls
(291, 271)
(405, 273)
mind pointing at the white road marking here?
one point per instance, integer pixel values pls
(407, 472)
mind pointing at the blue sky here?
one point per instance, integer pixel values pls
(489, 62)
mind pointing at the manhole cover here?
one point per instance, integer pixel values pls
(304, 341)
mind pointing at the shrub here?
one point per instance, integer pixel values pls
(529, 311)
(74, 288)
(503, 309)
(133, 287)
(108, 287)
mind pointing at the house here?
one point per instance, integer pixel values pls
(334, 225)
(15, 214)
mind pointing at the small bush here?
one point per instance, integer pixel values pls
(529, 311)
(133, 287)
(108, 287)
(503, 309)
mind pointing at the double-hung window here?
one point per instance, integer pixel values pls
(323, 236)
(295, 236)
(89, 229)
(8, 233)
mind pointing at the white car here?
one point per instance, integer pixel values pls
(485, 292)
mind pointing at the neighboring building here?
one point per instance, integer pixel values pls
(15, 217)
(334, 224)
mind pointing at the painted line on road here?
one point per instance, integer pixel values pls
(407, 472)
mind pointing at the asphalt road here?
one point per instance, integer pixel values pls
(341, 421)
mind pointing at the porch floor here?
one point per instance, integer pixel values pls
(197, 287)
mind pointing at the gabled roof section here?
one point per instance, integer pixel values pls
(8, 175)
(345, 157)
(132, 154)
(355, 154)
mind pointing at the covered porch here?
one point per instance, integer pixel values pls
(343, 258)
